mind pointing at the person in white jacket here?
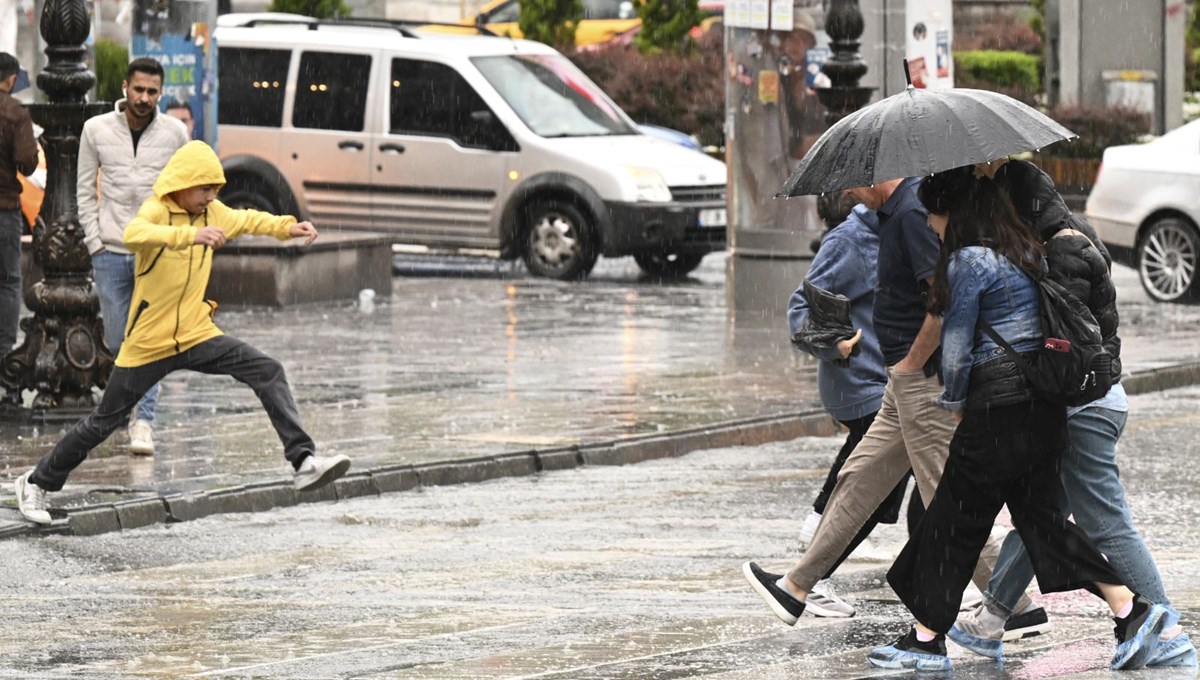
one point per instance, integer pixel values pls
(121, 153)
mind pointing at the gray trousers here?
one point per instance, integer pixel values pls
(910, 430)
(222, 355)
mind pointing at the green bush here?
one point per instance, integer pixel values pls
(665, 25)
(681, 91)
(321, 9)
(551, 21)
(1098, 127)
(111, 61)
(1008, 69)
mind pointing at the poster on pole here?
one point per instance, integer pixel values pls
(783, 15)
(929, 38)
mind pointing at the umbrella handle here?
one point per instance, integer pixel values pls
(907, 75)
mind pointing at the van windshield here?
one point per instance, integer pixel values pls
(553, 97)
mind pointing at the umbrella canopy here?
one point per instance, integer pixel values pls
(920, 132)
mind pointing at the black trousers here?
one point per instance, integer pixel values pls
(888, 511)
(1007, 454)
(222, 355)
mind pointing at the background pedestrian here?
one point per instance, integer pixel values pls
(121, 154)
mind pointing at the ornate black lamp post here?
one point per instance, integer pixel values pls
(63, 356)
(844, 25)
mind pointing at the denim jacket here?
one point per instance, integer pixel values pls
(984, 286)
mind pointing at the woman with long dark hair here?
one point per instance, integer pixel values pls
(1007, 446)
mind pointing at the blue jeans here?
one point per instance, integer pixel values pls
(113, 273)
(1097, 499)
(11, 226)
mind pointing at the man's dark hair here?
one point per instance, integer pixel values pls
(9, 66)
(173, 103)
(145, 65)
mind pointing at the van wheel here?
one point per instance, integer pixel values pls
(558, 242)
(1167, 259)
(249, 192)
(668, 265)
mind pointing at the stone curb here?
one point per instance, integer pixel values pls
(107, 517)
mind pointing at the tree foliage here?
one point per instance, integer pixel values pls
(551, 21)
(665, 25)
(112, 59)
(321, 9)
(683, 92)
(1038, 21)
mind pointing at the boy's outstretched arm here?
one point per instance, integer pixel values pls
(305, 229)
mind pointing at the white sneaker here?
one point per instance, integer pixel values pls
(809, 528)
(868, 551)
(31, 500)
(317, 471)
(141, 438)
(823, 600)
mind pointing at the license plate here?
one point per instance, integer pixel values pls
(712, 217)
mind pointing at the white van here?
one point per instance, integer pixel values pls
(454, 142)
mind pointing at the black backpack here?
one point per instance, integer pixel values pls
(1072, 368)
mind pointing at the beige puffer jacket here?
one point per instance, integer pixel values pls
(106, 146)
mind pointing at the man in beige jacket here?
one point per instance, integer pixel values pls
(126, 148)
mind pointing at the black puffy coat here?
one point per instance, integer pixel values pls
(1039, 204)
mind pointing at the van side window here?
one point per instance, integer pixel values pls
(608, 9)
(331, 91)
(253, 83)
(433, 99)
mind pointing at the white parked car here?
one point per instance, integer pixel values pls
(454, 142)
(1146, 208)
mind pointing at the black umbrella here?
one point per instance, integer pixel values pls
(920, 132)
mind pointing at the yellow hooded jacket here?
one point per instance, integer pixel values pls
(168, 313)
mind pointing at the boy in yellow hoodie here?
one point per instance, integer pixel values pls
(170, 325)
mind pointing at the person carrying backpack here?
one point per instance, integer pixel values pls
(1090, 474)
(1009, 438)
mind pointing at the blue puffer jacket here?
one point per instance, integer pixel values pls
(846, 264)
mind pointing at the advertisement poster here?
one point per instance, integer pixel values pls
(760, 13)
(740, 15)
(928, 43)
(943, 54)
(813, 58)
(189, 91)
(783, 15)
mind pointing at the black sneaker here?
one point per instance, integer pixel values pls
(909, 652)
(1032, 621)
(1137, 634)
(779, 600)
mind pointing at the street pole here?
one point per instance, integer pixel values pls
(845, 66)
(62, 357)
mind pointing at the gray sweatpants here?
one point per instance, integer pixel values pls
(222, 355)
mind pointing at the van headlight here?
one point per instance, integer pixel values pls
(651, 187)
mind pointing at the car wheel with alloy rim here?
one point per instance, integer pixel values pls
(1168, 254)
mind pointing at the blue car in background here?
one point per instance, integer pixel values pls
(680, 138)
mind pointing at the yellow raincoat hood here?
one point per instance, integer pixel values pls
(168, 314)
(195, 164)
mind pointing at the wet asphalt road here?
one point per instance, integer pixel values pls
(600, 572)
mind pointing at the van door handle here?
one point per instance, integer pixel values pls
(391, 148)
(350, 144)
